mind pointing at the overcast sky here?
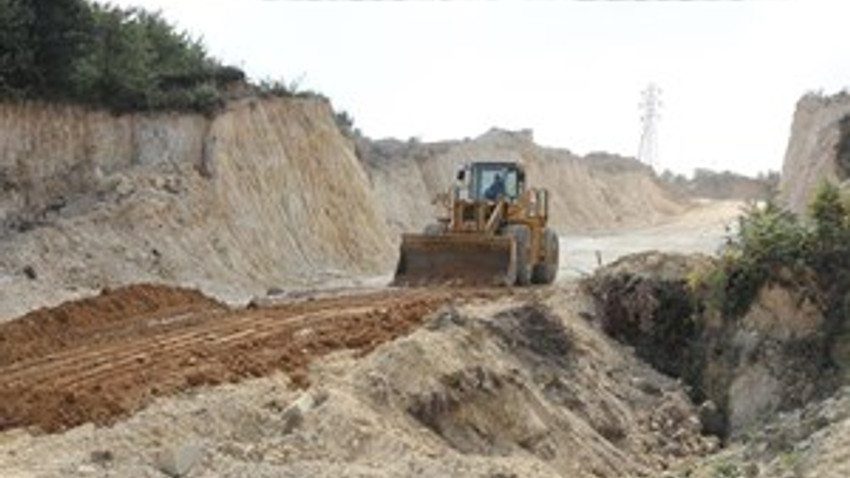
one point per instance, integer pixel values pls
(730, 72)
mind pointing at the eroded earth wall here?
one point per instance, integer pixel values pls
(265, 194)
(813, 148)
(268, 194)
(599, 191)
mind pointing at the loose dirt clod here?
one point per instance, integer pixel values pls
(177, 460)
(534, 331)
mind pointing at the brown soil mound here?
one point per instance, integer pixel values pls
(49, 330)
(101, 358)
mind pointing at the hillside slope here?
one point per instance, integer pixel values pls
(599, 191)
(266, 193)
(811, 156)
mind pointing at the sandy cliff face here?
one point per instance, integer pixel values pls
(811, 154)
(268, 193)
(594, 192)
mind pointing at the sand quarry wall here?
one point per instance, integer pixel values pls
(267, 194)
(811, 155)
(598, 191)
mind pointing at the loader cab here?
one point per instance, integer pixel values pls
(488, 181)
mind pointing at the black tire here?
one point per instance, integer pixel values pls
(522, 239)
(546, 271)
(434, 229)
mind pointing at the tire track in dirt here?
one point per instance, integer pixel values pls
(102, 358)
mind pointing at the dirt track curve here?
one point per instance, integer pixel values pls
(101, 358)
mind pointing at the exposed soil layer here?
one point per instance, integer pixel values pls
(138, 308)
(101, 358)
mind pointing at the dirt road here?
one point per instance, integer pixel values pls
(101, 358)
(702, 229)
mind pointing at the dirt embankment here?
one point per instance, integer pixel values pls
(598, 191)
(810, 442)
(100, 358)
(267, 193)
(781, 354)
(497, 383)
(817, 149)
(725, 185)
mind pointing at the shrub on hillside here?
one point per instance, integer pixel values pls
(123, 59)
(773, 245)
(842, 148)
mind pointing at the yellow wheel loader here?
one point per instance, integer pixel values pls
(493, 233)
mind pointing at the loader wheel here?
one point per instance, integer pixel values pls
(434, 229)
(521, 236)
(545, 272)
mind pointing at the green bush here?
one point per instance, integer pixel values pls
(345, 124)
(831, 223)
(206, 99)
(122, 59)
(768, 240)
(772, 244)
(277, 88)
(842, 148)
(283, 89)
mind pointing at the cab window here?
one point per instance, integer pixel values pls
(486, 177)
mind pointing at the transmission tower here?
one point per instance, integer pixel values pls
(650, 107)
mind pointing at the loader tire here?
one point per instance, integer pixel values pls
(522, 238)
(546, 271)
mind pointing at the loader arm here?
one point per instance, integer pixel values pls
(496, 218)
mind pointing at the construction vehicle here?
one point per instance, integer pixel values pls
(493, 233)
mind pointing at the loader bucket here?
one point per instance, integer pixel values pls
(456, 259)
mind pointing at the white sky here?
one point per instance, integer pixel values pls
(731, 72)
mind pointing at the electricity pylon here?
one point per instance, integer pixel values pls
(650, 106)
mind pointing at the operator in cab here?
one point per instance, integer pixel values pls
(496, 188)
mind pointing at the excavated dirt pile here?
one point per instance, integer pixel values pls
(50, 330)
(101, 358)
(499, 387)
(644, 300)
